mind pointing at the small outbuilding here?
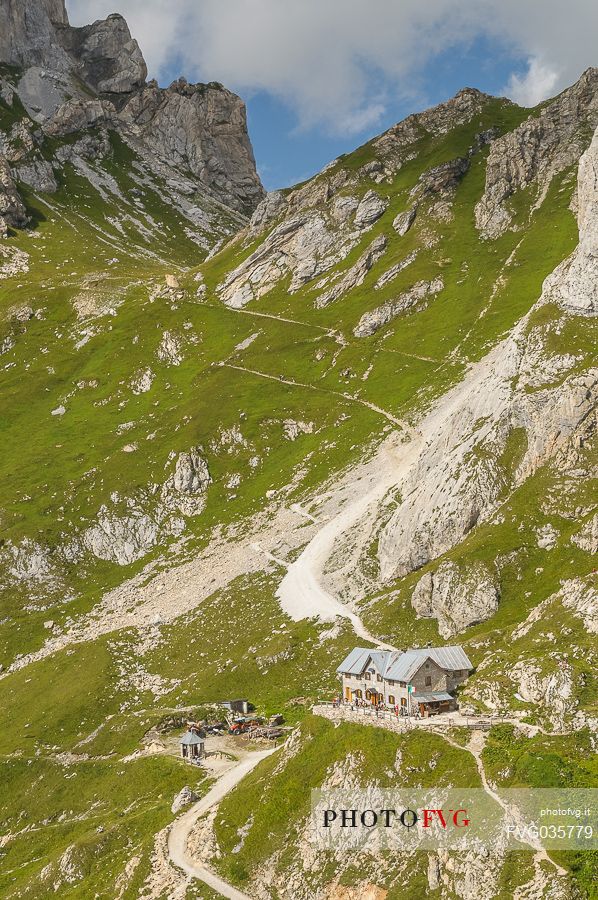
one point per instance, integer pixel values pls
(192, 745)
(237, 706)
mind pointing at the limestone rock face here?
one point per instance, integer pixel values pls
(552, 690)
(370, 209)
(456, 598)
(202, 128)
(197, 129)
(536, 151)
(303, 246)
(268, 210)
(356, 274)
(587, 538)
(38, 174)
(110, 60)
(28, 33)
(458, 477)
(78, 115)
(12, 209)
(574, 284)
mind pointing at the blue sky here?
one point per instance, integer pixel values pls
(320, 77)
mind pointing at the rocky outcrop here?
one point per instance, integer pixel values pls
(191, 475)
(552, 691)
(78, 115)
(372, 321)
(441, 179)
(185, 797)
(395, 270)
(186, 488)
(537, 150)
(587, 538)
(574, 284)
(356, 275)
(370, 208)
(198, 129)
(456, 597)
(403, 222)
(202, 129)
(170, 350)
(302, 246)
(109, 59)
(270, 208)
(37, 174)
(122, 539)
(581, 598)
(12, 209)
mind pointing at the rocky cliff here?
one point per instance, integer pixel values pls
(201, 129)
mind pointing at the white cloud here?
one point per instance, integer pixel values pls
(538, 82)
(327, 59)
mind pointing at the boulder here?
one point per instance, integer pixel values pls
(184, 798)
(403, 222)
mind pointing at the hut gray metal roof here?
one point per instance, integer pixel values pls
(448, 658)
(355, 662)
(190, 738)
(432, 697)
(402, 666)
